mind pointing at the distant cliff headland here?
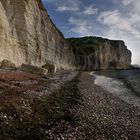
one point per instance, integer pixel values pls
(96, 53)
(29, 37)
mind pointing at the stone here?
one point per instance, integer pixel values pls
(6, 64)
(50, 67)
(33, 69)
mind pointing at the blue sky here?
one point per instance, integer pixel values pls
(113, 19)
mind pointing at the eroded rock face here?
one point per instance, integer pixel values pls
(27, 35)
(93, 53)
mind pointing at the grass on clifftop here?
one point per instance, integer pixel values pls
(85, 45)
(89, 44)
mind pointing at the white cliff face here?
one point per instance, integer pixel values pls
(94, 53)
(112, 55)
(27, 35)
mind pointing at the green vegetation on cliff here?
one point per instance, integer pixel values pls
(100, 53)
(85, 45)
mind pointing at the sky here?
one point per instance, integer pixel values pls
(113, 19)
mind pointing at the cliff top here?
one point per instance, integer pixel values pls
(89, 44)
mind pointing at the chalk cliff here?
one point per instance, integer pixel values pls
(27, 35)
(95, 53)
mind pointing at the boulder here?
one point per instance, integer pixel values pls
(6, 64)
(33, 69)
(50, 67)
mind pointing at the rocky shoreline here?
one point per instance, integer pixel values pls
(108, 117)
(63, 106)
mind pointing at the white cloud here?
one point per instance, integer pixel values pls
(81, 26)
(65, 5)
(127, 2)
(90, 10)
(66, 8)
(68, 5)
(124, 26)
(109, 17)
(118, 21)
(132, 5)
